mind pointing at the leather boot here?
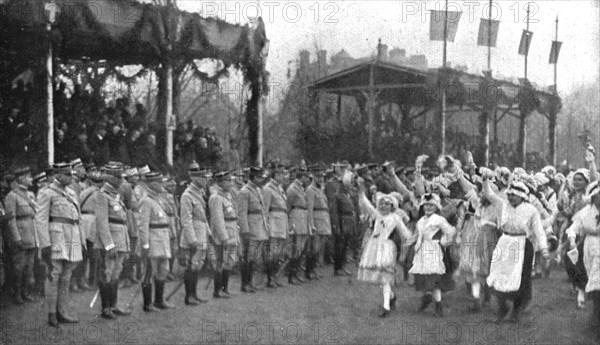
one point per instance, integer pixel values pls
(195, 275)
(270, 279)
(188, 291)
(52, 321)
(487, 294)
(18, 286)
(159, 300)
(225, 283)
(275, 277)
(105, 300)
(250, 274)
(439, 309)
(244, 277)
(297, 269)
(147, 293)
(114, 300)
(425, 301)
(502, 310)
(63, 317)
(292, 275)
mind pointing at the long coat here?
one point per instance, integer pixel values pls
(252, 214)
(20, 208)
(111, 220)
(344, 214)
(57, 223)
(154, 227)
(194, 221)
(298, 208)
(318, 210)
(276, 206)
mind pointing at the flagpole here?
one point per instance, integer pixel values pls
(489, 60)
(556, 55)
(443, 122)
(527, 40)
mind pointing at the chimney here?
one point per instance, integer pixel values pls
(382, 51)
(322, 62)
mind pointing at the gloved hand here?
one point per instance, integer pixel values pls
(47, 255)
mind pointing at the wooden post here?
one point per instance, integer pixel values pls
(371, 109)
(523, 140)
(169, 120)
(50, 98)
(443, 113)
(261, 106)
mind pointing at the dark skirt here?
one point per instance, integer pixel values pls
(444, 282)
(521, 296)
(576, 272)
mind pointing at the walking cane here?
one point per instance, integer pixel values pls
(179, 285)
(94, 299)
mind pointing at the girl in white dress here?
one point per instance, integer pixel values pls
(431, 263)
(586, 225)
(378, 262)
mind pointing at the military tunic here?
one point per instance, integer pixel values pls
(111, 231)
(276, 206)
(154, 235)
(195, 231)
(223, 222)
(253, 221)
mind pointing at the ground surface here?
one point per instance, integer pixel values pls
(332, 310)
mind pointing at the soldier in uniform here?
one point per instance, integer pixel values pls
(112, 239)
(88, 222)
(196, 236)
(131, 203)
(344, 223)
(20, 207)
(254, 232)
(171, 208)
(57, 223)
(276, 206)
(318, 221)
(224, 225)
(155, 243)
(297, 202)
(79, 177)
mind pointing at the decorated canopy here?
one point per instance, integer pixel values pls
(128, 32)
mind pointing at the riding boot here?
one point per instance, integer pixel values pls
(292, 274)
(187, 282)
(159, 295)
(18, 286)
(194, 276)
(225, 283)
(105, 300)
(269, 271)
(250, 275)
(218, 282)
(147, 293)
(114, 300)
(502, 309)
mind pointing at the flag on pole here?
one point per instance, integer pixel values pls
(525, 42)
(554, 51)
(436, 27)
(484, 29)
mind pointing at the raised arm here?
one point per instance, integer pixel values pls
(489, 194)
(590, 158)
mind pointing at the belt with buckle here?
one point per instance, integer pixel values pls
(117, 221)
(64, 220)
(159, 226)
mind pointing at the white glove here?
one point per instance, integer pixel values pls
(590, 155)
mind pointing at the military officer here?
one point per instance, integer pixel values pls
(224, 225)
(131, 203)
(79, 176)
(276, 206)
(254, 233)
(344, 223)
(171, 208)
(298, 219)
(88, 221)
(57, 222)
(154, 237)
(318, 220)
(20, 208)
(196, 235)
(112, 239)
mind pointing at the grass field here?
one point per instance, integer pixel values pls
(331, 310)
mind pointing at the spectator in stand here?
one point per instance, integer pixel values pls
(151, 154)
(214, 147)
(117, 142)
(61, 147)
(187, 148)
(99, 145)
(202, 153)
(136, 145)
(233, 156)
(139, 120)
(82, 148)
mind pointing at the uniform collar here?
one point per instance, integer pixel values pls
(107, 187)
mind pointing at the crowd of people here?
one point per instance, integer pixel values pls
(493, 229)
(95, 132)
